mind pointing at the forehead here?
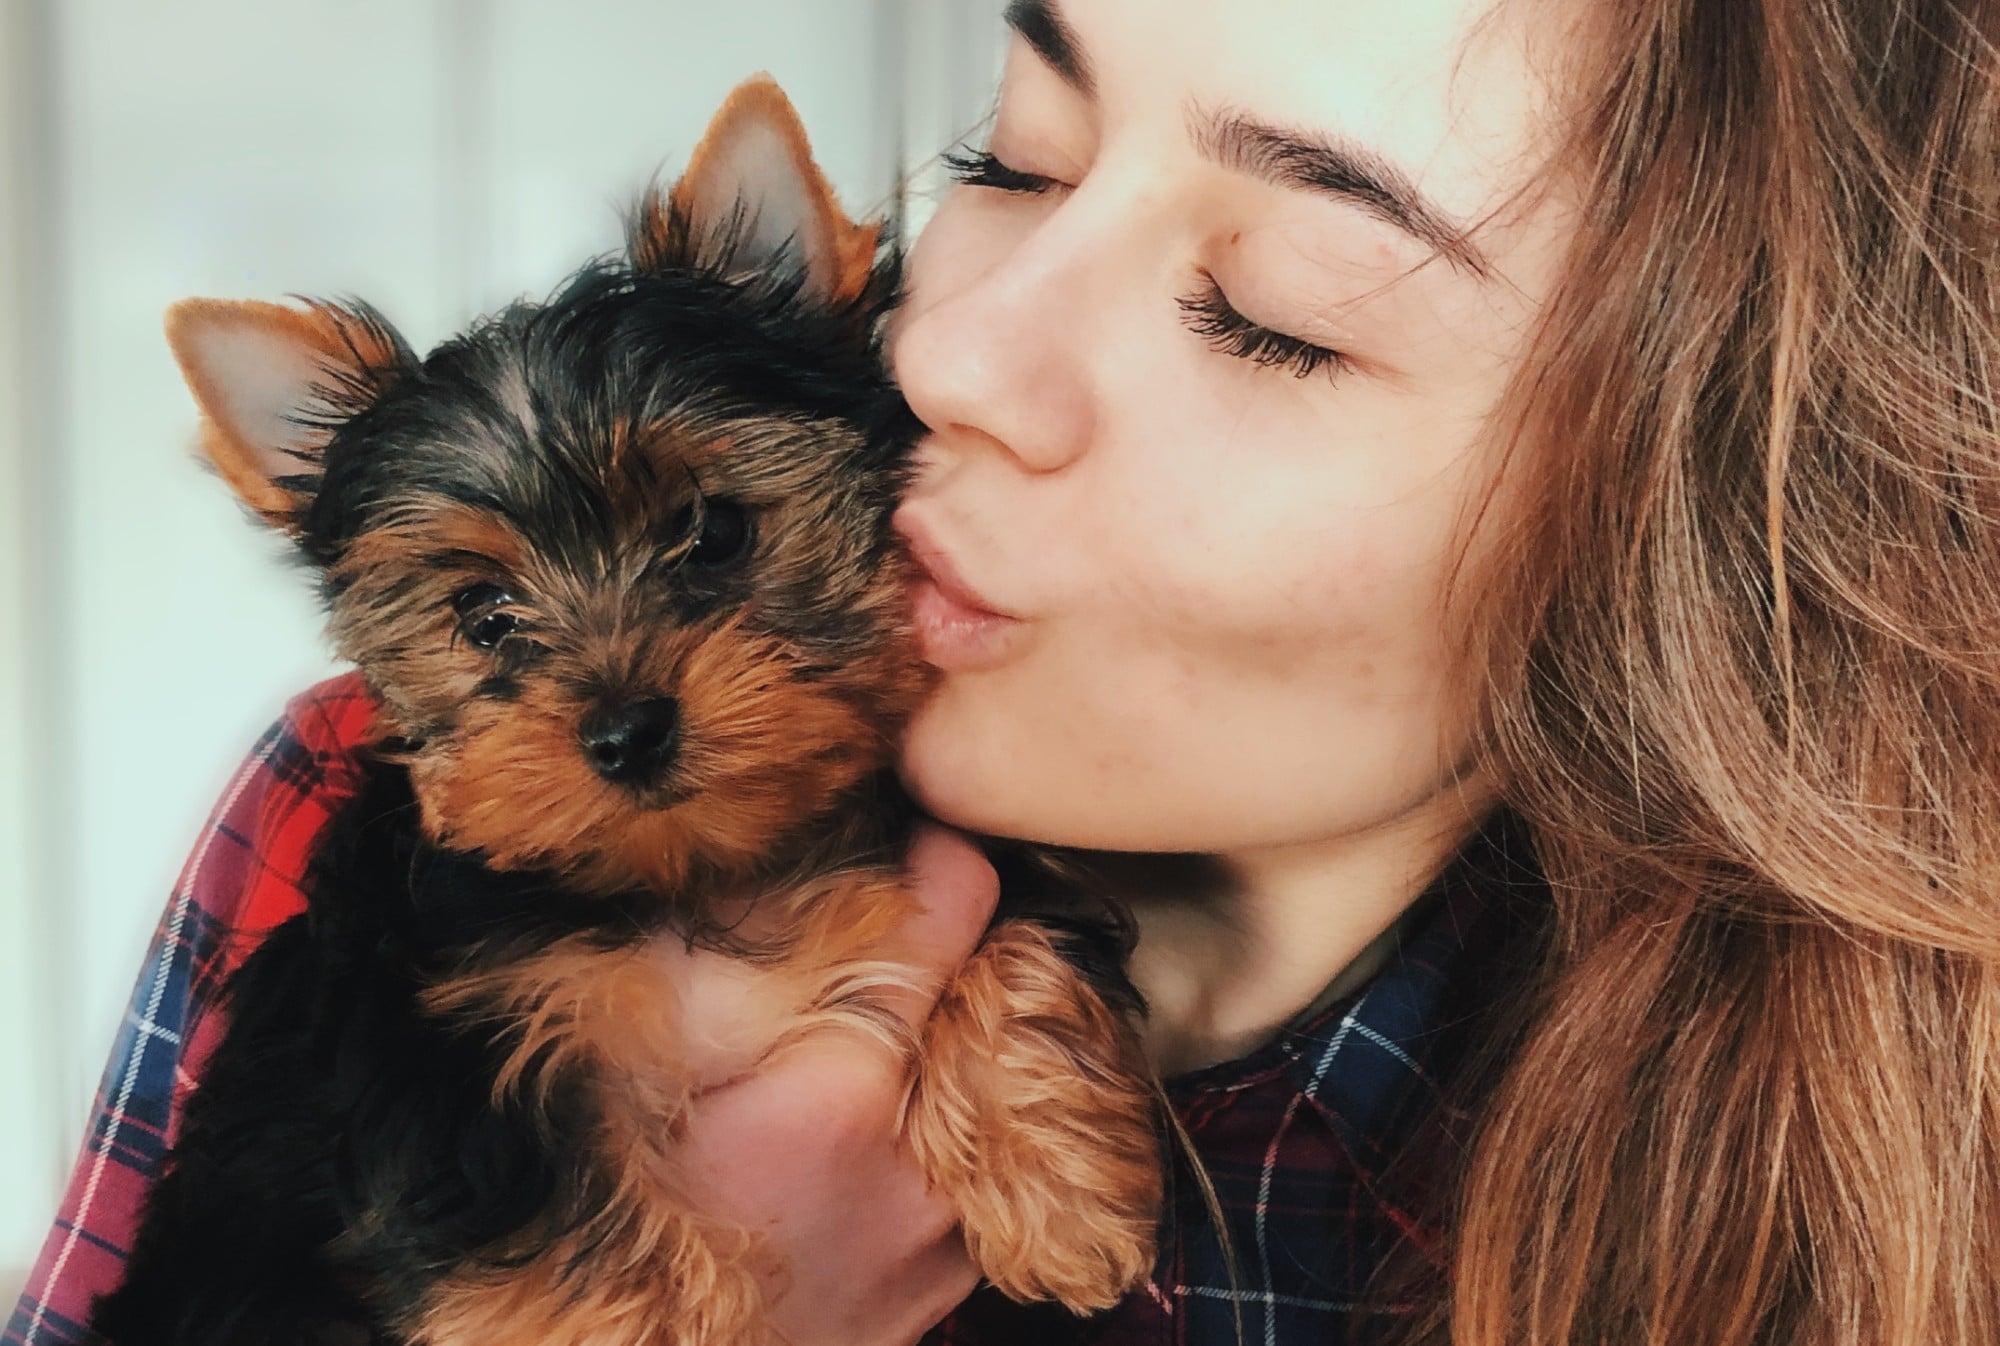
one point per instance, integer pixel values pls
(1449, 91)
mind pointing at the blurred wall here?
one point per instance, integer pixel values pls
(30, 1130)
(433, 156)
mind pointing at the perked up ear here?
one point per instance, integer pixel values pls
(274, 383)
(752, 199)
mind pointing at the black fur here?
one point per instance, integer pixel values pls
(341, 1138)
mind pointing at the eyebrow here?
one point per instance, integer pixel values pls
(1316, 162)
(1043, 27)
(1333, 166)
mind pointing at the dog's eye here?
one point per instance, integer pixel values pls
(481, 617)
(725, 536)
(490, 629)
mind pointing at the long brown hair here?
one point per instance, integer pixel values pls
(1742, 655)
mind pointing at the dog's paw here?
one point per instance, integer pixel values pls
(1028, 1111)
(1085, 1240)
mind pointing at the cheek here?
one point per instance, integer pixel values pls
(1263, 551)
(1277, 617)
(1247, 652)
(958, 247)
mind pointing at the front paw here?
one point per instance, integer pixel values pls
(1030, 1112)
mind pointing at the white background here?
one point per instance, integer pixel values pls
(433, 156)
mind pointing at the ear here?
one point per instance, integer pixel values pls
(273, 384)
(753, 199)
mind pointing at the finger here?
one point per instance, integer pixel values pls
(956, 891)
(894, 1304)
(948, 1275)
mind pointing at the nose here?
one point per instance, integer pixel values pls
(992, 348)
(632, 743)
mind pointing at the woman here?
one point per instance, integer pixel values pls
(1375, 449)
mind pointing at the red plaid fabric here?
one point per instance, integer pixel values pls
(242, 881)
(1293, 1136)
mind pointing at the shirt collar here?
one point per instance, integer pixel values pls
(1371, 1063)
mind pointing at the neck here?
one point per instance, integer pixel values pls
(1232, 947)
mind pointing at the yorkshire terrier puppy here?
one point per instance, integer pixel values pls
(617, 569)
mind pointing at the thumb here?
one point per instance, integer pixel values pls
(956, 892)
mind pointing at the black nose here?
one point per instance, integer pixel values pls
(632, 744)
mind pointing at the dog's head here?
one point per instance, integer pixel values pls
(618, 566)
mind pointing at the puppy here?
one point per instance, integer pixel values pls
(617, 570)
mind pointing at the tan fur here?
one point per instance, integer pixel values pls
(440, 528)
(761, 752)
(856, 247)
(1030, 1112)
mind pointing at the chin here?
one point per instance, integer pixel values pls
(994, 786)
(989, 765)
(973, 774)
(943, 773)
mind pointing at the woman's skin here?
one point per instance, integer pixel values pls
(1224, 628)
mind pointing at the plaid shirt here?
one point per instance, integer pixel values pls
(1293, 1135)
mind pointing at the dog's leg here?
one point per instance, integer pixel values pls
(1029, 1110)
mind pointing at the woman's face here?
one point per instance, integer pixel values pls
(1207, 384)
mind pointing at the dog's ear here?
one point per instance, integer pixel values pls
(752, 199)
(274, 383)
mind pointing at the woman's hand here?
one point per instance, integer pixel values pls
(806, 1152)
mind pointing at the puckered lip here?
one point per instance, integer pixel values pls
(937, 563)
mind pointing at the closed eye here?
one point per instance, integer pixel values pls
(1210, 314)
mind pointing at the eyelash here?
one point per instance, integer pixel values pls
(1209, 314)
(982, 168)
